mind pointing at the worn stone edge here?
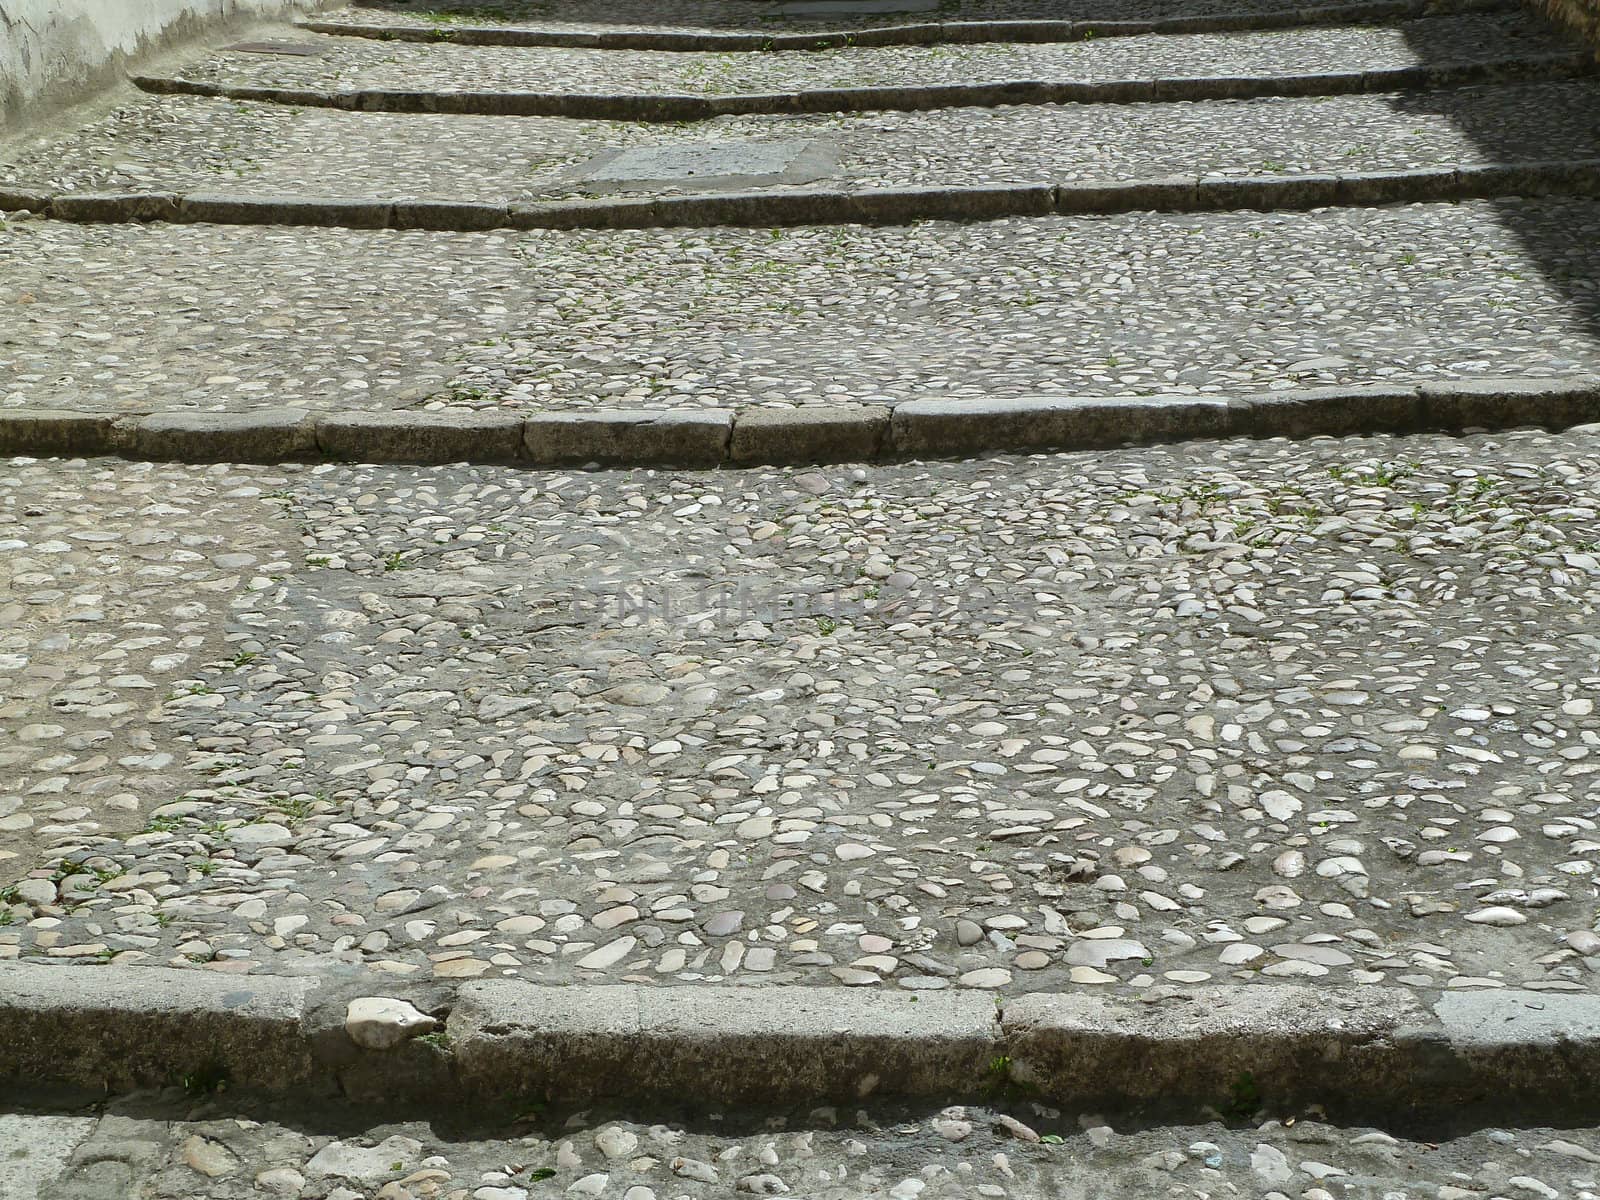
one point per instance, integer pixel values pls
(913, 34)
(908, 98)
(754, 436)
(822, 206)
(116, 1029)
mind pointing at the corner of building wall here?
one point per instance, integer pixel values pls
(84, 54)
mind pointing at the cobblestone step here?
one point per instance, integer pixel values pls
(1509, 1054)
(812, 208)
(760, 436)
(482, 172)
(908, 98)
(382, 727)
(1247, 766)
(608, 28)
(231, 318)
(361, 74)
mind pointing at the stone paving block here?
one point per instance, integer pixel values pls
(1511, 1049)
(1329, 411)
(1508, 403)
(1518, 1018)
(1180, 193)
(22, 199)
(942, 427)
(420, 437)
(828, 8)
(1549, 64)
(115, 206)
(957, 203)
(517, 1039)
(1200, 1045)
(1563, 177)
(260, 435)
(797, 207)
(743, 208)
(1266, 192)
(35, 1151)
(1310, 83)
(779, 435)
(618, 213)
(143, 1027)
(722, 1044)
(1399, 186)
(55, 431)
(285, 210)
(710, 165)
(797, 1042)
(450, 215)
(676, 437)
(1208, 87)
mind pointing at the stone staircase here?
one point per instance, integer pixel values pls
(612, 233)
(1244, 781)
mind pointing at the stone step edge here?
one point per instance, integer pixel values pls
(1353, 1050)
(910, 98)
(919, 34)
(818, 206)
(751, 437)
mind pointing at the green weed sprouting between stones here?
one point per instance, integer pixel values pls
(1244, 1097)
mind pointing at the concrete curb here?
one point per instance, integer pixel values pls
(708, 438)
(820, 206)
(920, 34)
(1243, 1047)
(682, 107)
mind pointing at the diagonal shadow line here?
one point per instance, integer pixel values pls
(1559, 234)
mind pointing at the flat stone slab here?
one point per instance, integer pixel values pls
(294, 49)
(710, 165)
(34, 1150)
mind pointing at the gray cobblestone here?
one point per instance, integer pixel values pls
(1018, 1149)
(184, 143)
(363, 63)
(553, 320)
(1234, 711)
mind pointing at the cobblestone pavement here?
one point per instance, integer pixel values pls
(219, 317)
(184, 143)
(132, 318)
(1232, 711)
(1315, 713)
(170, 1147)
(352, 62)
(109, 593)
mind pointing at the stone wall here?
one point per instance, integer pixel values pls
(53, 51)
